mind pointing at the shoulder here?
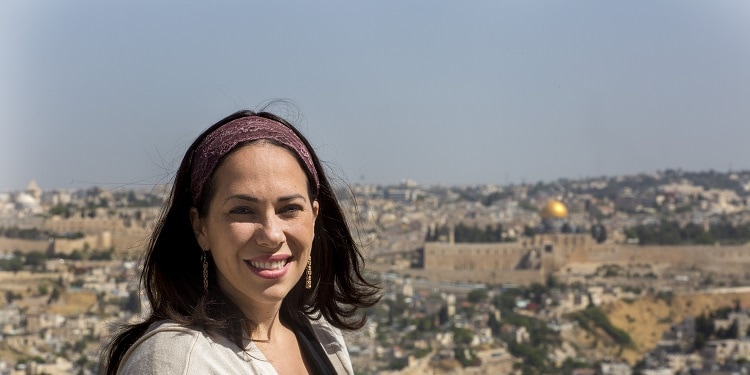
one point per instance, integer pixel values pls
(170, 348)
(165, 348)
(333, 343)
(167, 332)
(327, 334)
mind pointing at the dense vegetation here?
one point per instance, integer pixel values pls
(469, 234)
(35, 234)
(592, 318)
(541, 339)
(671, 233)
(705, 327)
(35, 260)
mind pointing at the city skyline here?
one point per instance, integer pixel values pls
(441, 93)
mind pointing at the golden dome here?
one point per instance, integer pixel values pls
(554, 210)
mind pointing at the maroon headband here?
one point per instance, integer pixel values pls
(224, 139)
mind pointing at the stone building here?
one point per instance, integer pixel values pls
(533, 259)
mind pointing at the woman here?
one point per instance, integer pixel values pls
(252, 267)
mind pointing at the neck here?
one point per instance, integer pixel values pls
(266, 323)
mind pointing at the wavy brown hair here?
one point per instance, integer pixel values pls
(172, 274)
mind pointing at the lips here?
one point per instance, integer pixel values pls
(273, 267)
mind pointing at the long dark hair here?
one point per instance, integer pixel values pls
(172, 273)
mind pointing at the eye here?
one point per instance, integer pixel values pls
(242, 210)
(291, 209)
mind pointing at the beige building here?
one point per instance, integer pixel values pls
(533, 259)
(98, 234)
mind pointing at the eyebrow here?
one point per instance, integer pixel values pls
(252, 199)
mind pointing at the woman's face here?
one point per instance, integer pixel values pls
(259, 224)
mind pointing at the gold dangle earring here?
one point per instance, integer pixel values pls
(205, 271)
(308, 279)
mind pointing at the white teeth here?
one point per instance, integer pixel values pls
(275, 265)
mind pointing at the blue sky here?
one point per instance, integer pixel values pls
(111, 93)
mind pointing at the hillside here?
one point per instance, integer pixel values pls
(645, 320)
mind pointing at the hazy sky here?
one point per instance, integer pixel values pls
(111, 93)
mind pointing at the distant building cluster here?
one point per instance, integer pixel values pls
(68, 220)
(497, 279)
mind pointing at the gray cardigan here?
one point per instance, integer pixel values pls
(169, 348)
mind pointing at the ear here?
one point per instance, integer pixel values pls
(315, 209)
(199, 229)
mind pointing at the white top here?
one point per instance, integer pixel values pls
(169, 348)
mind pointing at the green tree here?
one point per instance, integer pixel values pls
(443, 315)
(102, 255)
(593, 317)
(463, 336)
(478, 295)
(466, 357)
(35, 260)
(9, 297)
(54, 296)
(15, 264)
(730, 333)
(599, 233)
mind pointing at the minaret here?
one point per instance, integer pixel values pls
(33, 189)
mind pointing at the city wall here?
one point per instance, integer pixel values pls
(101, 241)
(531, 260)
(472, 257)
(99, 234)
(677, 255)
(9, 245)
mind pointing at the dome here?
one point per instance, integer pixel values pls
(26, 200)
(554, 210)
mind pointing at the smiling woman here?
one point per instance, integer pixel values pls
(252, 268)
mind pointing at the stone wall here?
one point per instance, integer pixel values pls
(473, 257)
(514, 262)
(9, 245)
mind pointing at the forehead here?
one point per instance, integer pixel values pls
(260, 164)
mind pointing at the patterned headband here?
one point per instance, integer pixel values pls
(224, 139)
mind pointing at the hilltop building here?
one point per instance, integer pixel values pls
(553, 216)
(533, 259)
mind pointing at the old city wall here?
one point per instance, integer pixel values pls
(101, 241)
(61, 246)
(473, 257)
(689, 256)
(9, 245)
(563, 249)
(127, 241)
(99, 234)
(493, 263)
(499, 262)
(85, 225)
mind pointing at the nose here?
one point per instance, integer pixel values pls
(270, 232)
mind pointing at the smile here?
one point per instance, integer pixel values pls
(269, 268)
(275, 265)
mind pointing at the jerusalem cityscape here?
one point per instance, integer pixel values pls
(633, 274)
(375, 188)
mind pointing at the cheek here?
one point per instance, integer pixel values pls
(303, 234)
(239, 232)
(231, 233)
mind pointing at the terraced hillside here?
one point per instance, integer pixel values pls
(645, 320)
